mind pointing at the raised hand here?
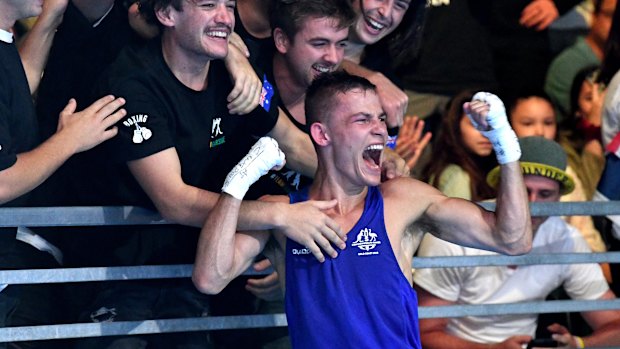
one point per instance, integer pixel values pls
(539, 14)
(393, 100)
(411, 143)
(262, 157)
(393, 165)
(488, 114)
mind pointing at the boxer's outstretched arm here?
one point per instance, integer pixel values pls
(507, 230)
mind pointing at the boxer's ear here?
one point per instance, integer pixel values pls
(319, 134)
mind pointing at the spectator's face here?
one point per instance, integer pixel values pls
(376, 19)
(585, 104)
(318, 47)
(473, 140)
(602, 22)
(541, 189)
(20, 9)
(203, 27)
(357, 133)
(534, 116)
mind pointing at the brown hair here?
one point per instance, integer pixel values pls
(449, 149)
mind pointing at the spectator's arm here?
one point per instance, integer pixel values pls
(434, 335)
(35, 166)
(393, 100)
(246, 92)
(605, 325)
(36, 46)
(160, 177)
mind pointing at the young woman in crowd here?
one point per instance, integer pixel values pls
(462, 156)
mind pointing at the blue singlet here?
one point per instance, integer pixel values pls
(361, 299)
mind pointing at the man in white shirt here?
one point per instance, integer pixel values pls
(543, 163)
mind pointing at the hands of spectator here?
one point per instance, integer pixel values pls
(411, 143)
(513, 342)
(307, 224)
(562, 335)
(268, 287)
(393, 165)
(539, 14)
(393, 100)
(91, 126)
(237, 41)
(245, 94)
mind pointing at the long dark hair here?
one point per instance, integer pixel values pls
(449, 149)
(404, 42)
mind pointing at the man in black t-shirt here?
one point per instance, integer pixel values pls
(25, 164)
(175, 147)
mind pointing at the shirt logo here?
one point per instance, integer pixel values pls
(366, 241)
(216, 132)
(300, 251)
(141, 133)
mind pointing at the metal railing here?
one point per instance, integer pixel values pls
(101, 216)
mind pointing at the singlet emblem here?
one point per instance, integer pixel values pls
(366, 241)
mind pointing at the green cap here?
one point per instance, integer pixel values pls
(540, 157)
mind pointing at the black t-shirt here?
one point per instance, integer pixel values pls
(18, 134)
(163, 113)
(18, 121)
(79, 53)
(454, 52)
(78, 56)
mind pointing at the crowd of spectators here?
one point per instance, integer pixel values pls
(151, 103)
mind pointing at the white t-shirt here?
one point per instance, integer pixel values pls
(502, 284)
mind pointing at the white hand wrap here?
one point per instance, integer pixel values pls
(262, 157)
(502, 136)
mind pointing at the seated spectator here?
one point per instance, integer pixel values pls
(462, 156)
(580, 133)
(585, 52)
(531, 113)
(543, 163)
(25, 162)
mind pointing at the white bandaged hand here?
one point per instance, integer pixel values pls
(497, 130)
(262, 157)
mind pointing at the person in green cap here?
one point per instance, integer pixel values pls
(543, 163)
